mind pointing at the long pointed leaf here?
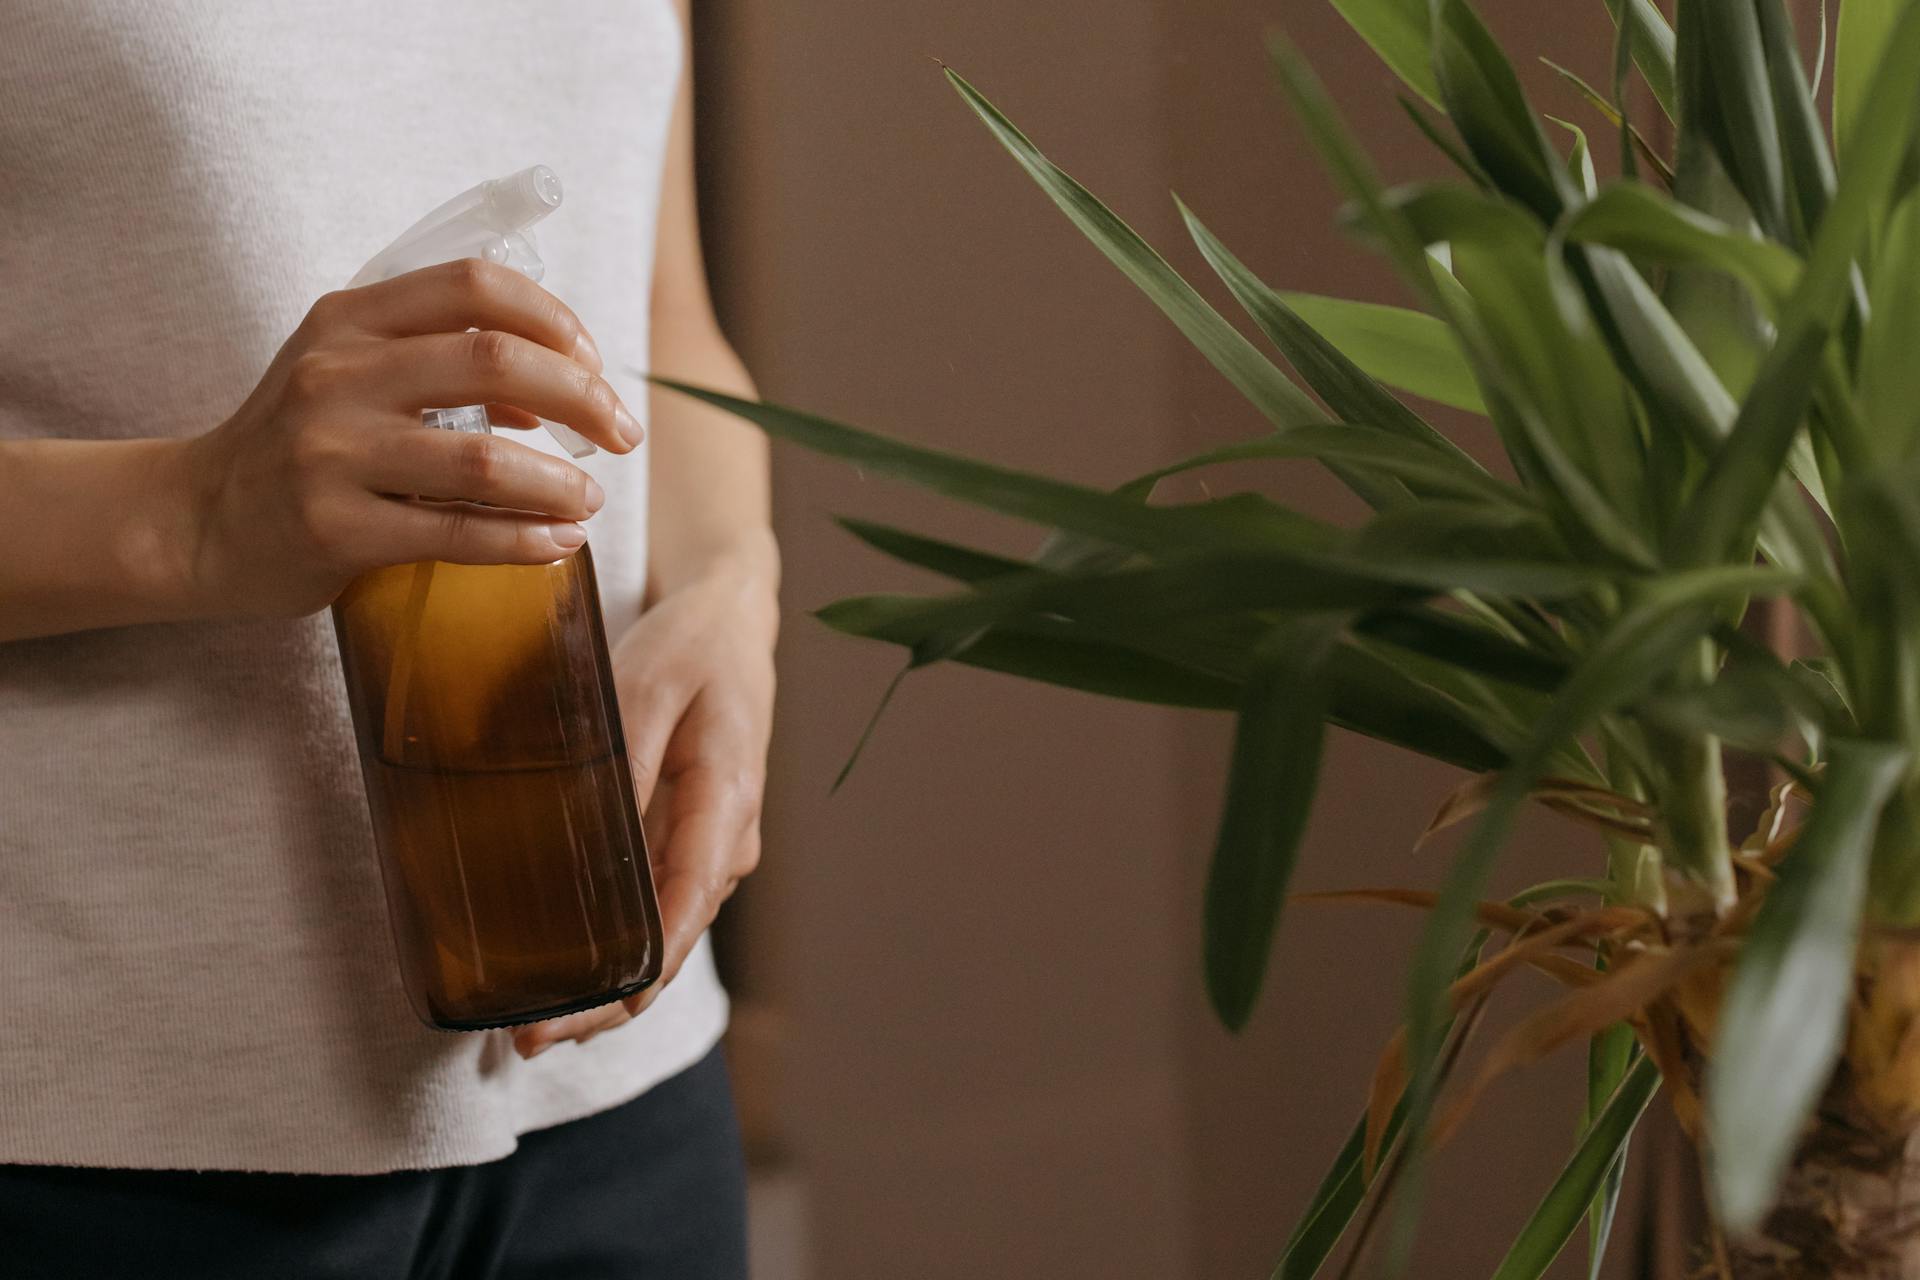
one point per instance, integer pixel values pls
(1238, 360)
(1342, 376)
(1639, 221)
(1270, 786)
(1639, 648)
(1651, 41)
(1785, 1014)
(1864, 28)
(1726, 507)
(1406, 349)
(1244, 519)
(1399, 33)
(1559, 1214)
(1483, 96)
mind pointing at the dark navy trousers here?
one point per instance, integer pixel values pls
(652, 1190)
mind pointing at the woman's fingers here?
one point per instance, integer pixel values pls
(531, 1041)
(490, 365)
(460, 533)
(481, 468)
(651, 708)
(712, 846)
(466, 294)
(505, 415)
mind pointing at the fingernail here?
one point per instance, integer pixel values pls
(596, 496)
(628, 426)
(567, 536)
(586, 353)
(537, 1050)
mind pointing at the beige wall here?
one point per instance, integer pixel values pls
(999, 1059)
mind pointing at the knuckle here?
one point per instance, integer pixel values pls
(742, 789)
(601, 398)
(314, 515)
(316, 375)
(327, 312)
(558, 316)
(312, 453)
(574, 480)
(474, 278)
(492, 353)
(458, 530)
(478, 461)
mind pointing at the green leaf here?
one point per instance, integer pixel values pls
(1384, 700)
(1639, 221)
(1238, 360)
(1568, 427)
(1864, 29)
(1651, 40)
(1465, 645)
(1610, 1055)
(1741, 476)
(1742, 127)
(1580, 159)
(1424, 468)
(1483, 96)
(1785, 1014)
(1803, 141)
(1406, 349)
(1345, 1185)
(1600, 1150)
(1643, 646)
(1194, 585)
(1889, 379)
(1340, 379)
(1270, 786)
(1433, 133)
(1611, 114)
(1352, 170)
(1333, 1206)
(1242, 520)
(1056, 653)
(960, 563)
(1399, 33)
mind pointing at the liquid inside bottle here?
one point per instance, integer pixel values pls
(503, 807)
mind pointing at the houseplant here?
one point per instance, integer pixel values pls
(1702, 378)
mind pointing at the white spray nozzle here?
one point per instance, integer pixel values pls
(493, 220)
(522, 199)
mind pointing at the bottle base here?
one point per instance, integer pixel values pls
(439, 1023)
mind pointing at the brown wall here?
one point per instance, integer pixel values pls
(999, 1060)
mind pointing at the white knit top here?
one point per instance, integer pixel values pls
(195, 966)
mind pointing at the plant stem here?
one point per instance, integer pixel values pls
(1633, 867)
(1693, 806)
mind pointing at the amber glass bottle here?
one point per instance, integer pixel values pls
(503, 808)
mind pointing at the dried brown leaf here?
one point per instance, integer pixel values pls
(1581, 801)
(1624, 992)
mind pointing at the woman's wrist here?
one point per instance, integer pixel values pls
(745, 564)
(163, 543)
(99, 534)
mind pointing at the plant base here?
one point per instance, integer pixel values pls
(1850, 1206)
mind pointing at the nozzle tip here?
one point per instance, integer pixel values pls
(522, 199)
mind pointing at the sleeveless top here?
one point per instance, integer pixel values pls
(195, 965)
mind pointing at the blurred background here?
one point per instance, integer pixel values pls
(971, 1036)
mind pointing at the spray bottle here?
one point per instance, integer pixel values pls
(489, 734)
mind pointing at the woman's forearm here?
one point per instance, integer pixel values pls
(710, 491)
(94, 533)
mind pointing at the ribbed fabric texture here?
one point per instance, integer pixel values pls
(195, 965)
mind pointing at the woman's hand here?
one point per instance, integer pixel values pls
(318, 476)
(695, 676)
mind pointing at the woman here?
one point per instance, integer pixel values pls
(210, 1069)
